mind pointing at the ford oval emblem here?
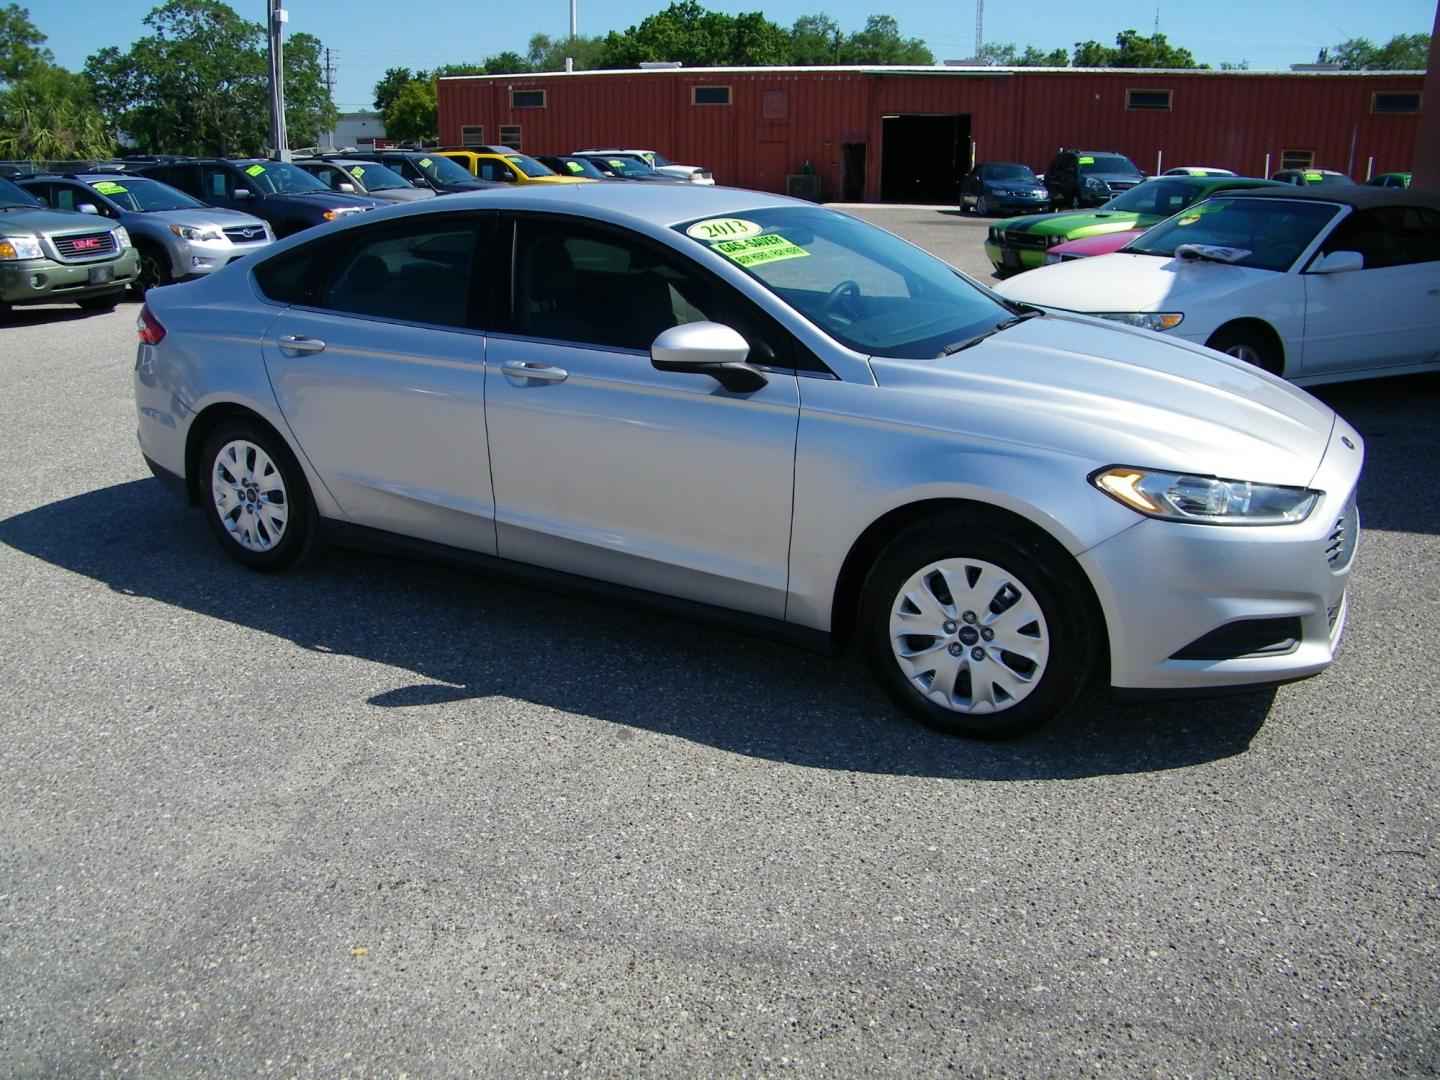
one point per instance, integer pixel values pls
(1346, 440)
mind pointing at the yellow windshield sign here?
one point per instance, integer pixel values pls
(358, 171)
(1314, 176)
(760, 249)
(109, 187)
(1087, 161)
(255, 170)
(426, 162)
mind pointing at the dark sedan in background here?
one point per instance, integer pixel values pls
(1003, 187)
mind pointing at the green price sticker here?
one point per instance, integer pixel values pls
(618, 164)
(255, 170)
(760, 249)
(574, 166)
(358, 171)
(1087, 161)
(109, 187)
(716, 229)
(1314, 176)
(426, 162)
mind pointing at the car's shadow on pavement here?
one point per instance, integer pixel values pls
(1400, 488)
(467, 636)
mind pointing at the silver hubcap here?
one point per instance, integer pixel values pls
(969, 636)
(1248, 353)
(249, 496)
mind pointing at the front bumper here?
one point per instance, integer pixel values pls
(196, 258)
(45, 281)
(1171, 592)
(1012, 260)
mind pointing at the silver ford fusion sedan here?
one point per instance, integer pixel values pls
(732, 404)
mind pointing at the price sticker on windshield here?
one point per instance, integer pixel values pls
(426, 162)
(358, 171)
(760, 249)
(1087, 161)
(255, 170)
(715, 229)
(109, 187)
(1314, 176)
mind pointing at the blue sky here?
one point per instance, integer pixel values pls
(368, 36)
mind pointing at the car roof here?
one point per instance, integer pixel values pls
(1360, 196)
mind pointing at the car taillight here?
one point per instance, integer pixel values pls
(151, 332)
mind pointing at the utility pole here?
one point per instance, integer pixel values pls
(979, 27)
(279, 140)
(327, 138)
(573, 23)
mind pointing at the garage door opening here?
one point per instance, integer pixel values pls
(924, 158)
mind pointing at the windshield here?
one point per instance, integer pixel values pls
(1107, 163)
(375, 177)
(867, 289)
(659, 161)
(1328, 179)
(10, 195)
(628, 166)
(281, 178)
(138, 194)
(1160, 197)
(1270, 233)
(1008, 172)
(577, 167)
(442, 170)
(529, 166)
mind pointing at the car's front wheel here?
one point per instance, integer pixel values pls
(154, 270)
(256, 498)
(982, 206)
(976, 627)
(1248, 344)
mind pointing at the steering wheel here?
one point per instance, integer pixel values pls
(843, 300)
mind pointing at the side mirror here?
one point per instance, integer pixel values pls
(242, 193)
(88, 208)
(707, 348)
(419, 182)
(346, 187)
(1338, 262)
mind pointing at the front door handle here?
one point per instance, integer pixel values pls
(525, 369)
(294, 345)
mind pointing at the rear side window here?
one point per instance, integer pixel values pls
(290, 278)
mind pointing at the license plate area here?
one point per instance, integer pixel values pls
(1011, 259)
(98, 275)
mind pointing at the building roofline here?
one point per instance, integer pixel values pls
(954, 70)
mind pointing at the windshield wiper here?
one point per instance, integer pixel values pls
(959, 346)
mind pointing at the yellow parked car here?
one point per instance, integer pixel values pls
(508, 166)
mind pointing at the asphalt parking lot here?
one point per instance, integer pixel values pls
(381, 818)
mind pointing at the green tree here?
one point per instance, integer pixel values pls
(22, 45)
(505, 63)
(1033, 57)
(1133, 50)
(199, 83)
(51, 115)
(549, 54)
(1091, 54)
(815, 39)
(688, 33)
(880, 43)
(391, 83)
(1403, 52)
(412, 115)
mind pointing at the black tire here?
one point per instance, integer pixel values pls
(100, 303)
(154, 270)
(1007, 570)
(982, 206)
(245, 472)
(1249, 345)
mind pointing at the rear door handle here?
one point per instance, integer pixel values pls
(294, 345)
(525, 369)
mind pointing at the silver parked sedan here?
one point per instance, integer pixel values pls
(733, 404)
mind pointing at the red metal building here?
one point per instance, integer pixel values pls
(908, 134)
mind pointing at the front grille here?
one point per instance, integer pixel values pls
(245, 234)
(1024, 239)
(1121, 185)
(1340, 545)
(80, 246)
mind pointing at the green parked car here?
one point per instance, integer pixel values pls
(1020, 243)
(1390, 179)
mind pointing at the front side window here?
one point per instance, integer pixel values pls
(419, 272)
(1389, 236)
(1268, 234)
(867, 289)
(490, 169)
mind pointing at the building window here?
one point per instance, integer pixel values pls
(527, 99)
(1297, 159)
(1157, 100)
(1394, 101)
(709, 95)
(472, 134)
(775, 105)
(510, 136)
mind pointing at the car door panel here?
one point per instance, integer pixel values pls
(657, 480)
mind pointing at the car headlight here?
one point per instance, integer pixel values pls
(331, 215)
(20, 247)
(1146, 320)
(1204, 500)
(190, 232)
(122, 238)
(1095, 184)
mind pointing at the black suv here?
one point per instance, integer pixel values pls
(1079, 178)
(421, 169)
(289, 198)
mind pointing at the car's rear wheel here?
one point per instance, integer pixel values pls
(1250, 345)
(256, 498)
(976, 627)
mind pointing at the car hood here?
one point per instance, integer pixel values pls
(1115, 177)
(1015, 185)
(1125, 282)
(1112, 395)
(42, 220)
(331, 200)
(401, 194)
(200, 217)
(1069, 224)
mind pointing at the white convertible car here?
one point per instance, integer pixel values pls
(1318, 285)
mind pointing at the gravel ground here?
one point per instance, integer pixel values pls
(381, 818)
